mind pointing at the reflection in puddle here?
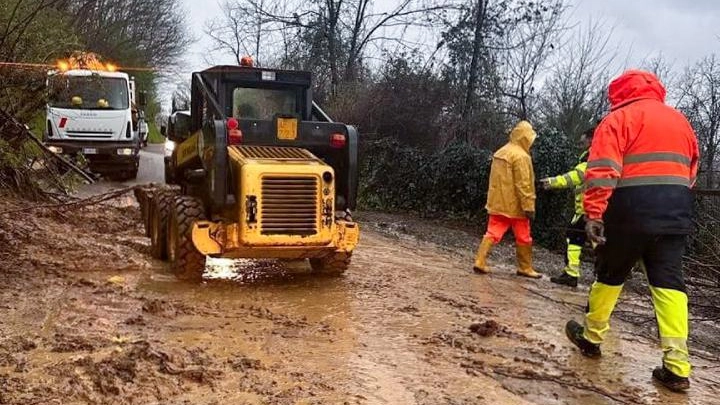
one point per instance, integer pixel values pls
(245, 270)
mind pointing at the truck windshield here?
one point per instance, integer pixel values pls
(263, 104)
(89, 92)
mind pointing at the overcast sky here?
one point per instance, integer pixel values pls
(683, 31)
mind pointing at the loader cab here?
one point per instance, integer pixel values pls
(248, 93)
(238, 106)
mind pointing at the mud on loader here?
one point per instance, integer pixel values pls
(260, 172)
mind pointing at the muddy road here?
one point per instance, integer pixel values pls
(87, 317)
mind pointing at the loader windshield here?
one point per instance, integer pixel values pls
(89, 92)
(263, 104)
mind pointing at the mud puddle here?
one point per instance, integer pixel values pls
(86, 317)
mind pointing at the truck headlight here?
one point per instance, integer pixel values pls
(55, 149)
(125, 151)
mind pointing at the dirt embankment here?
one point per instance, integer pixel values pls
(86, 317)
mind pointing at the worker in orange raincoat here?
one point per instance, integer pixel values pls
(638, 206)
(511, 200)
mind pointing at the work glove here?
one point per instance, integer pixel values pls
(530, 215)
(545, 183)
(595, 230)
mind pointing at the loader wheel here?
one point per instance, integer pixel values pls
(187, 263)
(144, 199)
(159, 209)
(334, 264)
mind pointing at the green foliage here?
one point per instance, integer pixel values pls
(453, 182)
(154, 135)
(553, 154)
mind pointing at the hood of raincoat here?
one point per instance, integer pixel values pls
(511, 192)
(635, 85)
(523, 135)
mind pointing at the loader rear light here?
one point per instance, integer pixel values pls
(235, 137)
(337, 141)
(62, 123)
(234, 134)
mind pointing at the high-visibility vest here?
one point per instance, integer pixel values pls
(575, 178)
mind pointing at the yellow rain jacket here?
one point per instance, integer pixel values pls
(512, 179)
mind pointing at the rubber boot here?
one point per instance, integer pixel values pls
(575, 333)
(480, 265)
(565, 279)
(524, 258)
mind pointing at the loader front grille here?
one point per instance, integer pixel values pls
(274, 152)
(289, 205)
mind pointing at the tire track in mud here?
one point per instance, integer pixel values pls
(395, 330)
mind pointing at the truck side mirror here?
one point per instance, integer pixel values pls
(142, 99)
(163, 130)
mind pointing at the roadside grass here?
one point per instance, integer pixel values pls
(154, 135)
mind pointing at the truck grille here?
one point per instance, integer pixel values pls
(289, 205)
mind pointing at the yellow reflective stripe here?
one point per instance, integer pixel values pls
(601, 303)
(676, 356)
(602, 183)
(581, 167)
(657, 157)
(568, 178)
(654, 181)
(558, 182)
(605, 163)
(573, 255)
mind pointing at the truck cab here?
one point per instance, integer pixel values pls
(94, 112)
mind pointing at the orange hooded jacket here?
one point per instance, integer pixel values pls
(643, 161)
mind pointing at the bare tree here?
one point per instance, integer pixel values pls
(530, 43)
(663, 69)
(146, 33)
(699, 99)
(574, 94)
(248, 28)
(29, 32)
(323, 35)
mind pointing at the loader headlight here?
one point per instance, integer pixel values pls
(55, 149)
(169, 147)
(251, 208)
(125, 151)
(327, 177)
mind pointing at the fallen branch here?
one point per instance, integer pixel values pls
(96, 199)
(553, 299)
(63, 162)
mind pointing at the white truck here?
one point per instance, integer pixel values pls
(92, 111)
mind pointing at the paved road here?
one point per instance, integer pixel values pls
(151, 170)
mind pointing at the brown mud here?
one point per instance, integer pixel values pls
(87, 317)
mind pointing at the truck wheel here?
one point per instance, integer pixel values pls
(334, 264)
(159, 209)
(187, 263)
(132, 174)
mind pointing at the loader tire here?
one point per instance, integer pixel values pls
(332, 265)
(185, 261)
(144, 199)
(159, 210)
